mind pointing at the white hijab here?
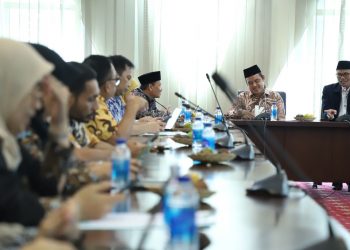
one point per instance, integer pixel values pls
(21, 67)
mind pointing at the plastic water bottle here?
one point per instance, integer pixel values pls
(183, 108)
(169, 190)
(206, 119)
(208, 136)
(274, 112)
(120, 164)
(181, 214)
(197, 131)
(199, 114)
(188, 114)
(218, 115)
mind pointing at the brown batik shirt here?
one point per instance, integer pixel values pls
(247, 101)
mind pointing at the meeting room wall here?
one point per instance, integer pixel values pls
(297, 43)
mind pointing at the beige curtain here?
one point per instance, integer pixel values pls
(316, 39)
(297, 43)
(192, 38)
(111, 27)
(54, 23)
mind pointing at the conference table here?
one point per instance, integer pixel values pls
(238, 221)
(319, 149)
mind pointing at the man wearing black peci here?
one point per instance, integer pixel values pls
(257, 97)
(150, 89)
(335, 101)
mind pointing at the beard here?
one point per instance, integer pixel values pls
(76, 115)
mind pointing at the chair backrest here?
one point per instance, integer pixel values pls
(282, 94)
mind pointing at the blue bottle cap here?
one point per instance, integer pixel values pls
(207, 124)
(120, 141)
(198, 119)
(183, 179)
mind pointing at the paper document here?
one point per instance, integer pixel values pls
(166, 133)
(136, 220)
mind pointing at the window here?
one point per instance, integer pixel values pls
(54, 23)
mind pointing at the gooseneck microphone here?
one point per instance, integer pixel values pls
(228, 140)
(245, 151)
(166, 109)
(194, 106)
(216, 98)
(278, 183)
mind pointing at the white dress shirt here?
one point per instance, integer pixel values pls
(344, 101)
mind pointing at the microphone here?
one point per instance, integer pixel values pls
(245, 151)
(278, 183)
(194, 106)
(167, 112)
(217, 102)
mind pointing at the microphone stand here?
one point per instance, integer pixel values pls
(194, 105)
(275, 185)
(245, 151)
(227, 141)
(278, 183)
(166, 110)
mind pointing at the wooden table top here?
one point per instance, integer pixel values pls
(241, 222)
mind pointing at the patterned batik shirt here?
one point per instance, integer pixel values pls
(116, 107)
(80, 136)
(152, 105)
(104, 126)
(247, 101)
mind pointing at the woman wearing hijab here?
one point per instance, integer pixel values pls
(21, 73)
(24, 77)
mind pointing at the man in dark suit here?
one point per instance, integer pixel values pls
(335, 101)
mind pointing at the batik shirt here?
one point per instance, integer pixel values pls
(116, 107)
(104, 126)
(152, 106)
(80, 136)
(247, 101)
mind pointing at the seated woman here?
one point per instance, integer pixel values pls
(24, 85)
(256, 97)
(25, 79)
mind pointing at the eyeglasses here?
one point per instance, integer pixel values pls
(345, 74)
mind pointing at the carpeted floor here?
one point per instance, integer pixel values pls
(336, 202)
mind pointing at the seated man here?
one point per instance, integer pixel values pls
(257, 96)
(134, 84)
(335, 101)
(82, 106)
(150, 89)
(103, 124)
(116, 105)
(124, 68)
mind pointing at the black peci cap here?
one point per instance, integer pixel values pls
(343, 65)
(149, 78)
(248, 72)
